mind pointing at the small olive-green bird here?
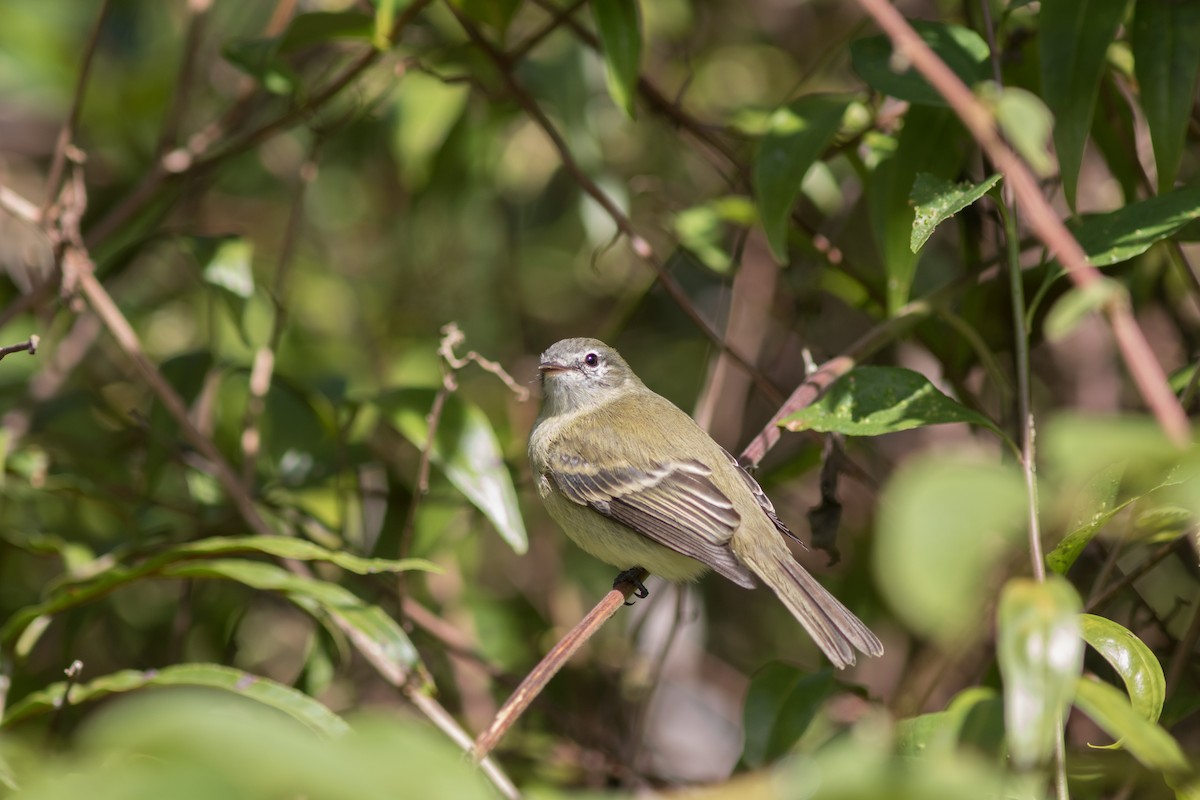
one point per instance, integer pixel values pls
(635, 482)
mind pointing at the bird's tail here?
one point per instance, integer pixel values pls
(832, 626)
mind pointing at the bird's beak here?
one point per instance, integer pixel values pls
(550, 367)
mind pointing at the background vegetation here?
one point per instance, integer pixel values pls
(262, 250)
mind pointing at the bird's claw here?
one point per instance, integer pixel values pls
(634, 576)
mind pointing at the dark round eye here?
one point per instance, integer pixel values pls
(591, 359)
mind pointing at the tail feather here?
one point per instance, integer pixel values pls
(831, 625)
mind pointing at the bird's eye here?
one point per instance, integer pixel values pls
(591, 359)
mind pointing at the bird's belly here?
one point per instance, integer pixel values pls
(619, 545)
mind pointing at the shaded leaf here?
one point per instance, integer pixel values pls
(259, 58)
(376, 635)
(780, 704)
(1132, 660)
(963, 50)
(496, 13)
(928, 142)
(975, 716)
(1040, 654)
(1100, 506)
(936, 201)
(1073, 39)
(1166, 58)
(295, 704)
(870, 401)
(1078, 303)
(1130, 231)
(467, 450)
(796, 135)
(1109, 708)
(1027, 124)
(619, 26)
(318, 27)
(943, 527)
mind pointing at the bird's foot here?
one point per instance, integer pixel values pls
(633, 575)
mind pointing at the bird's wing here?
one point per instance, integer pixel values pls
(674, 503)
(764, 502)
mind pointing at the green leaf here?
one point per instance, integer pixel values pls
(795, 137)
(1146, 741)
(259, 58)
(376, 635)
(963, 50)
(467, 450)
(1040, 654)
(944, 526)
(703, 229)
(1027, 124)
(1074, 446)
(289, 547)
(319, 27)
(780, 704)
(295, 704)
(936, 201)
(1073, 40)
(619, 26)
(975, 716)
(496, 13)
(1132, 660)
(1166, 58)
(1099, 499)
(426, 110)
(1130, 231)
(871, 401)
(928, 142)
(1078, 303)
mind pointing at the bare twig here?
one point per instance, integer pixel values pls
(197, 14)
(447, 724)
(67, 133)
(558, 18)
(549, 666)
(1139, 359)
(1128, 578)
(18, 206)
(624, 225)
(30, 347)
(60, 710)
(263, 367)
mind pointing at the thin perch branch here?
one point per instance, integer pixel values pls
(549, 666)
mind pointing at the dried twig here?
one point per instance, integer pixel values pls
(67, 133)
(30, 347)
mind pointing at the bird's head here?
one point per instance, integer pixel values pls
(582, 373)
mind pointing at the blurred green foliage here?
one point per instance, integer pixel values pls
(290, 202)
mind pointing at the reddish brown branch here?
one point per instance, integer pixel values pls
(1147, 373)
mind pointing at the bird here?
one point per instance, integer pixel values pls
(634, 481)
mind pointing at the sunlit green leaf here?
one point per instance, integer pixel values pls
(295, 704)
(1073, 39)
(619, 24)
(943, 528)
(467, 450)
(963, 50)
(871, 401)
(289, 547)
(780, 703)
(1040, 653)
(796, 136)
(1132, 660)
(703, 229)
(936, 201)
(1130, 231)
(1166, 56)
